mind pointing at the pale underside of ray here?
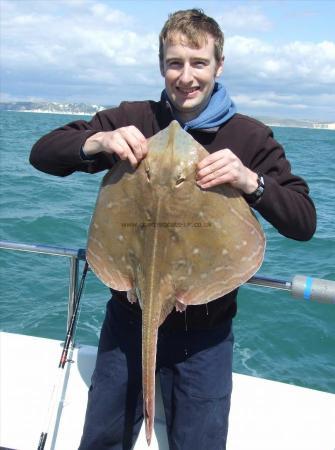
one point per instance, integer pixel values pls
(156, 231)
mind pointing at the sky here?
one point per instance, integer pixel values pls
(279, 55)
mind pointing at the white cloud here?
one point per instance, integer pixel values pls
(5, 97)
(269, 99)
(246, 18)
(94, 47)
(92, 51)
(303, 63)
(271, 103)
(103, 12)
(298, 77)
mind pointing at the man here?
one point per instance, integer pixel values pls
(194, 357)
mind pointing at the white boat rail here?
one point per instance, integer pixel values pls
(301, 286)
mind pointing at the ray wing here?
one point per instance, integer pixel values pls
(115, 239)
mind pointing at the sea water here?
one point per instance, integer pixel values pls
(276, 337)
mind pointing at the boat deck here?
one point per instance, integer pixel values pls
(265, 415)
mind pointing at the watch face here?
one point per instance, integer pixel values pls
(257, 194)
(261, 185)
(260, 189)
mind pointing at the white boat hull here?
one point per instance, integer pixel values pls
(265, 415)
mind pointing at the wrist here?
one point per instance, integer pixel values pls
(251, 182)
(254, 197)
(92, 145)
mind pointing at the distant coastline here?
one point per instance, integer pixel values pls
(83, 109)
(42, 111)
(52, 108)
(296, 123)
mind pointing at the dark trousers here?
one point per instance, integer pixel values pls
(195, 370)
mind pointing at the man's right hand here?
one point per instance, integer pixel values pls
(127, 142)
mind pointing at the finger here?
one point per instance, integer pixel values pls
(226, 174)
(209, 159)
(124, 152)
(211, 168)
(132, 143)
(141, 138)
(210, 184)
(215, 181)
(135, 141)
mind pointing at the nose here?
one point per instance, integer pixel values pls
(186, 74)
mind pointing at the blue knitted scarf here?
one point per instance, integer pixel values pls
(218, 111)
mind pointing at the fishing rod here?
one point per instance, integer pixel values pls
(301, 286)
(63, 359)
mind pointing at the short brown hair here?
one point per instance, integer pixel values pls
(194, 25)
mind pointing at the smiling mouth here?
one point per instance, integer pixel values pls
(187, 91)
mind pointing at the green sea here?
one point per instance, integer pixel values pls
(276, 337)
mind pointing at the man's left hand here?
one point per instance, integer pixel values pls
(222, 167)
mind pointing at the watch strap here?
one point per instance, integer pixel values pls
(254, 197)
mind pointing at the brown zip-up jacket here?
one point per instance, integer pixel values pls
(285, 202)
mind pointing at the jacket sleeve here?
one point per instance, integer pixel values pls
(285, 202)
(58, 152)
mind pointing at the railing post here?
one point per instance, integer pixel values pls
(73, 286)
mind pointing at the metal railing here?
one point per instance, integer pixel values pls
(75, 255)
(300, 286)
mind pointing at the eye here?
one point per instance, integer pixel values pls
(199, 64)
(180, 181)
(147, 171)
(174, 64)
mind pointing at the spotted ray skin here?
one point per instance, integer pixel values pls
(156, 232)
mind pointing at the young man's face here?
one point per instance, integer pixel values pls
(189, 75)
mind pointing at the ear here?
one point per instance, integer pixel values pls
(161, 67)
(219, 68)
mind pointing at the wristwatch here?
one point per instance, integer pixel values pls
(254, 197)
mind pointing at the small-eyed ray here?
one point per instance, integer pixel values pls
(158, 235)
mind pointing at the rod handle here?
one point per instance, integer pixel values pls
(316, 289)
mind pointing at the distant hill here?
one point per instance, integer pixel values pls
(85, 109)
(52, 107)
(298, 123)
